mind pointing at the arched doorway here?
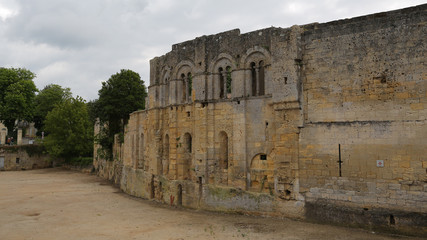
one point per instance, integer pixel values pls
(223, 157)
(179, 193)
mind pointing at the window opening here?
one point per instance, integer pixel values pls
(261, 82)
(392, 220)
(229, 79)
(190, 84)
(221, 82)
(184, 89)
(254, 79)
(179, 195)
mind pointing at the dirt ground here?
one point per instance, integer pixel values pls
(60, 204)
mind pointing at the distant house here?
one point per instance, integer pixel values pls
(27, 131)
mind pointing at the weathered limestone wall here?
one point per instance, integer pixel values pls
(109, 169)
(365, 89)
(254, 123)
(15, 158)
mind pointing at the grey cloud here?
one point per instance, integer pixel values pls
(78, 44)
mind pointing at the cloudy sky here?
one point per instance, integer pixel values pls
(79, 44)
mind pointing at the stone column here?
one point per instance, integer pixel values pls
(19, 140)
(257, 81)
(3, 137)
(187, 84)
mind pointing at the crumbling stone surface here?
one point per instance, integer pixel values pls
(269, 121)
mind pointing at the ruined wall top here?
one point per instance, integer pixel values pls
(261, 62)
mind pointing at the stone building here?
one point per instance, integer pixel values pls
(320, 121)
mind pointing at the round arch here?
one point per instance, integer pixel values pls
(221, 58)
(255, 54)
(183, 66)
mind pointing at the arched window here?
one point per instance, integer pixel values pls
(261, 82)
(253, 79)
(258, 78)
(223, 150)
(166, 90)
(166, 155)
(221, 82)
(229, 79)
(189, 85)
(184, 88)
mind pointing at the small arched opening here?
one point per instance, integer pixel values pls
(229, 80)
(179, 194)
(184, 88)
(253, 79)
(221, 82)
(166, 86)
(190, 86)
(261, 80)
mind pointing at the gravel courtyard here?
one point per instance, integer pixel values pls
(60, 204)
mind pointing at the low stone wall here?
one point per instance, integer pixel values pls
(137, 182)
(110, 170)
(392, 194)
(375, 204)
(24, 157)
(374, 218)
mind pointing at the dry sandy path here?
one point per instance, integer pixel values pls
(59, 204)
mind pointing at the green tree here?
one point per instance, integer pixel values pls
(92, 107)
(122, 94)
(17, 92)
(71, 132)
(46, 100)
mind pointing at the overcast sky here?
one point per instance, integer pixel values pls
(79, 44)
